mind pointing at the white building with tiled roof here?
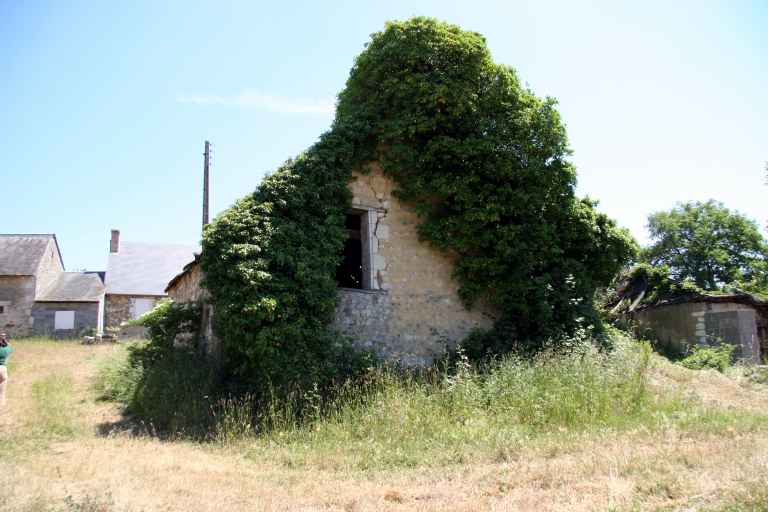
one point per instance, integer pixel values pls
(137, 274)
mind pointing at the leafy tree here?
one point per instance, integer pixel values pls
(484, 161)
(708, 244)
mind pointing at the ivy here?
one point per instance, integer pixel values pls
(485, 163)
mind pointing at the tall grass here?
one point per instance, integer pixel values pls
(54, 414)
(397, 418)
(171, 393)
(391, 409)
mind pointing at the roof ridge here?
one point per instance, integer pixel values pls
(27, 234)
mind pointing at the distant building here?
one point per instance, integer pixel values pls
(38, 297)
(137, 275)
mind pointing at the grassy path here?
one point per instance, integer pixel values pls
(55, 457)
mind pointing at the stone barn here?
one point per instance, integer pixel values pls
(37, 296)
(137, 275)
(397, 294)
(738, 319)
(71, 307)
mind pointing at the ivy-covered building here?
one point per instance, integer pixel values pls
(397, 295)
(440, 203)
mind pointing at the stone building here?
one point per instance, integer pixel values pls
(137, 274)
(37, 296)
(397, 294)
(738, 319)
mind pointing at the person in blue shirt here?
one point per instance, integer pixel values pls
(5, 353)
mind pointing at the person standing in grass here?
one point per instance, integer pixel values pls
(5, 352)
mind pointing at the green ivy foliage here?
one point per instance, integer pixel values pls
(484, 161)
(166, 321)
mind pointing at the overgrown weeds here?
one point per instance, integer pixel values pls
(173, 391)
(394, 417)
(719, 358)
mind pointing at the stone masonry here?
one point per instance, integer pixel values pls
(119, 309)
(18, 293)
(17, 296)
(686, 324)
(86, 317)
(410, 309)
(412, 312)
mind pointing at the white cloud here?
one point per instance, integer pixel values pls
(254, 99)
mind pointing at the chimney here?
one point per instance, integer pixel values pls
(114, 243)
(206, 165)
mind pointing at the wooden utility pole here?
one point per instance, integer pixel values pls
(206, 170)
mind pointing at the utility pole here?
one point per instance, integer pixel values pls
(206, 171)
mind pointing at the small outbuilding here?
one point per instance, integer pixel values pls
(738, 319)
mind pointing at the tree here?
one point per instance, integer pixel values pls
(708, 244)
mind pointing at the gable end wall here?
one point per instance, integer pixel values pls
(49, 269)
(414, 312)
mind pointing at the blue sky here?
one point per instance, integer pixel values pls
(105, 105)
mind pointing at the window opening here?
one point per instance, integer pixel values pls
(349, 273)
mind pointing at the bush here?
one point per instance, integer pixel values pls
(718, 358)
(171, 392)
(167, 320)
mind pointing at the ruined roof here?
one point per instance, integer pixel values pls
(145, 268)
(20, 255)
(737, 296)
(74, 287)
(186, 270)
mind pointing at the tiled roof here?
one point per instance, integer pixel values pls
(74, 287)
(144, 268)
(20, 255)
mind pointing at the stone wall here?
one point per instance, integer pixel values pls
(706, 323)
(412, 311)
(17, 296)
(49, 269)
(86, 318)
(186, 288)
(119, 309)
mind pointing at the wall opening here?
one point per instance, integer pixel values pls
(350, 272)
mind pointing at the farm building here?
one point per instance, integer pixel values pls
(739, 319)
(137, 275)
(397, 294)
(37, 296)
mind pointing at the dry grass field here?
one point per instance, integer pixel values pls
(61, 449)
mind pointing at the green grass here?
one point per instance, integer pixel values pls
(396, 418)
(55, 414)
